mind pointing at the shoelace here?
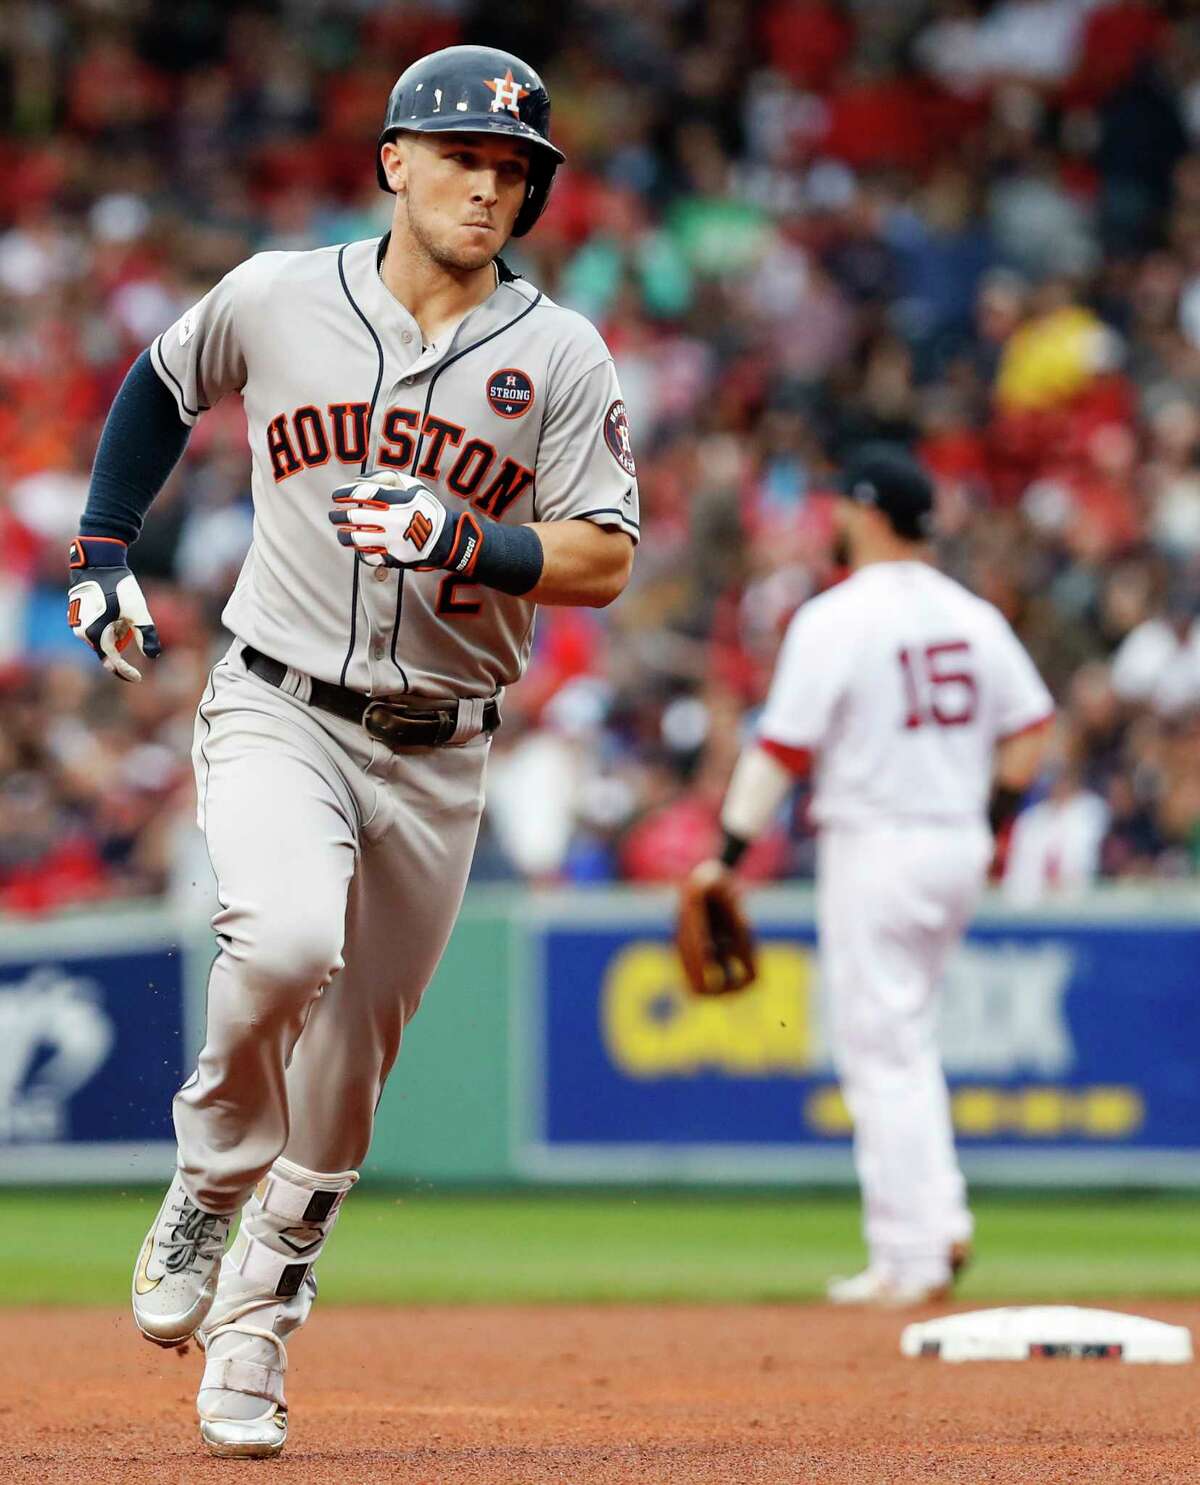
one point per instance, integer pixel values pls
(196, 1235)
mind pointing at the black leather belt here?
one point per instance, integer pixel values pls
(397, 721)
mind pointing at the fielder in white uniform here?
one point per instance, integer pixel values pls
(908, 698)
(436, 448)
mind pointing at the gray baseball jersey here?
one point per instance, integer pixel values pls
(517, 414)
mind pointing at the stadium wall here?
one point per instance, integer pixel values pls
(556, 1045)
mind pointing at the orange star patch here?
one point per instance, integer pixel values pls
(508, 93)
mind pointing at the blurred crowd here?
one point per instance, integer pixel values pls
(972, 227)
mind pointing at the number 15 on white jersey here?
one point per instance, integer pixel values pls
(900, 683)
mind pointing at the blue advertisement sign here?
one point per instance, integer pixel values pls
(92, 1048)
(1064, 1039)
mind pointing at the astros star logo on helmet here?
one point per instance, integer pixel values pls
(509, 93)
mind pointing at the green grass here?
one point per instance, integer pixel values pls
(78, 1247)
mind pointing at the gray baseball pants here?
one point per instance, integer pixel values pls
(340, 870)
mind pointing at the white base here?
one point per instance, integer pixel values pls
(1038, 1331)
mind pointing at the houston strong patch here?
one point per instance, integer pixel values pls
(510, 392)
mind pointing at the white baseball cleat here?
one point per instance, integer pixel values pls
(246, 1438)
(233, 1438)
(175, 1279)
(241, 1405)
(881, 1290)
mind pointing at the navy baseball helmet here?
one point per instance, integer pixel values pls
(478, 90)
(889, 478)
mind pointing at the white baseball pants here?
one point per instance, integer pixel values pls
(340, 869)
(892, 900)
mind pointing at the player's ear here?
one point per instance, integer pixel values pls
(394, 157)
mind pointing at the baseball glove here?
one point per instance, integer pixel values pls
(714, 937)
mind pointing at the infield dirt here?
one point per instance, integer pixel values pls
(574, 1395)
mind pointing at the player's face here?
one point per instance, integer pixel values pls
(461, 194)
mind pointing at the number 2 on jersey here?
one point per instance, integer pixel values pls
(449, 604)
(939, 685)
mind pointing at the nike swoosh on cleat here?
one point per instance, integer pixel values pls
(142, 1282)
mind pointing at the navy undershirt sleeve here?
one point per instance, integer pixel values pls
(141, 443)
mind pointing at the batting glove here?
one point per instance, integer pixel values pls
(105, 607)
(393, 520)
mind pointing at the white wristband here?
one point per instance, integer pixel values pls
(758, 787)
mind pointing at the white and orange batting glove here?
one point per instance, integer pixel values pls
(393, 520)
(105, 606)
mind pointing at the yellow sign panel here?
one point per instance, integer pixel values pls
(654, 1027)
(1099, 1112)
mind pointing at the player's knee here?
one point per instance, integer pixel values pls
(291, 959)
(888, 1042)
(854, 1031)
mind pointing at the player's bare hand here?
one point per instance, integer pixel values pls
(105, 606)
(391, 520)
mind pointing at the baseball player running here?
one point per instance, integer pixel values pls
(908, 696)
(436, 448)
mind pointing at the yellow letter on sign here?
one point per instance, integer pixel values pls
(653, 1027)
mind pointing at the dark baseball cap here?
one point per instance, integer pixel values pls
(889, 478)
